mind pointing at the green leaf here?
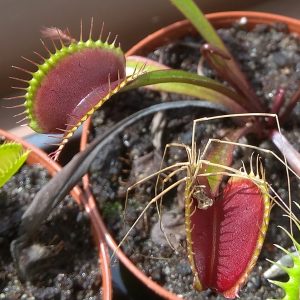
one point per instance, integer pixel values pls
(158, 77)
(12, 157)
(191, 11)
(222, 154)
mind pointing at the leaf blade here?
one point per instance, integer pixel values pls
(191, 11)
(160, 78)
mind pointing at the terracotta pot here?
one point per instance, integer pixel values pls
(37, 156)
(157, 39)
(219, 20)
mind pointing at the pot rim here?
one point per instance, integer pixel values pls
(146, 45)
(219, 19)
(38, 156)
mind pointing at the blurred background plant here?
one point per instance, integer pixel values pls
(12, 157)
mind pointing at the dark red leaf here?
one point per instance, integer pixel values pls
(64, 90)
(226, 239)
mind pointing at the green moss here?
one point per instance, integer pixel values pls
(111, 210)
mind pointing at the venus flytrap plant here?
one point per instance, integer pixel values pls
(225, 225)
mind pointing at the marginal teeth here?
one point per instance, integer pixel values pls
(275, 270)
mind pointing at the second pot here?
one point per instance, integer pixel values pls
(38, 157)
(160, 38)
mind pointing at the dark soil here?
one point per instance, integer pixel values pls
(270, 56)
(61, 262)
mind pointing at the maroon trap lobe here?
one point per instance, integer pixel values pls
(227, 237)
(75, 85)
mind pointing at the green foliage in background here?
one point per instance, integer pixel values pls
(12, 157)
